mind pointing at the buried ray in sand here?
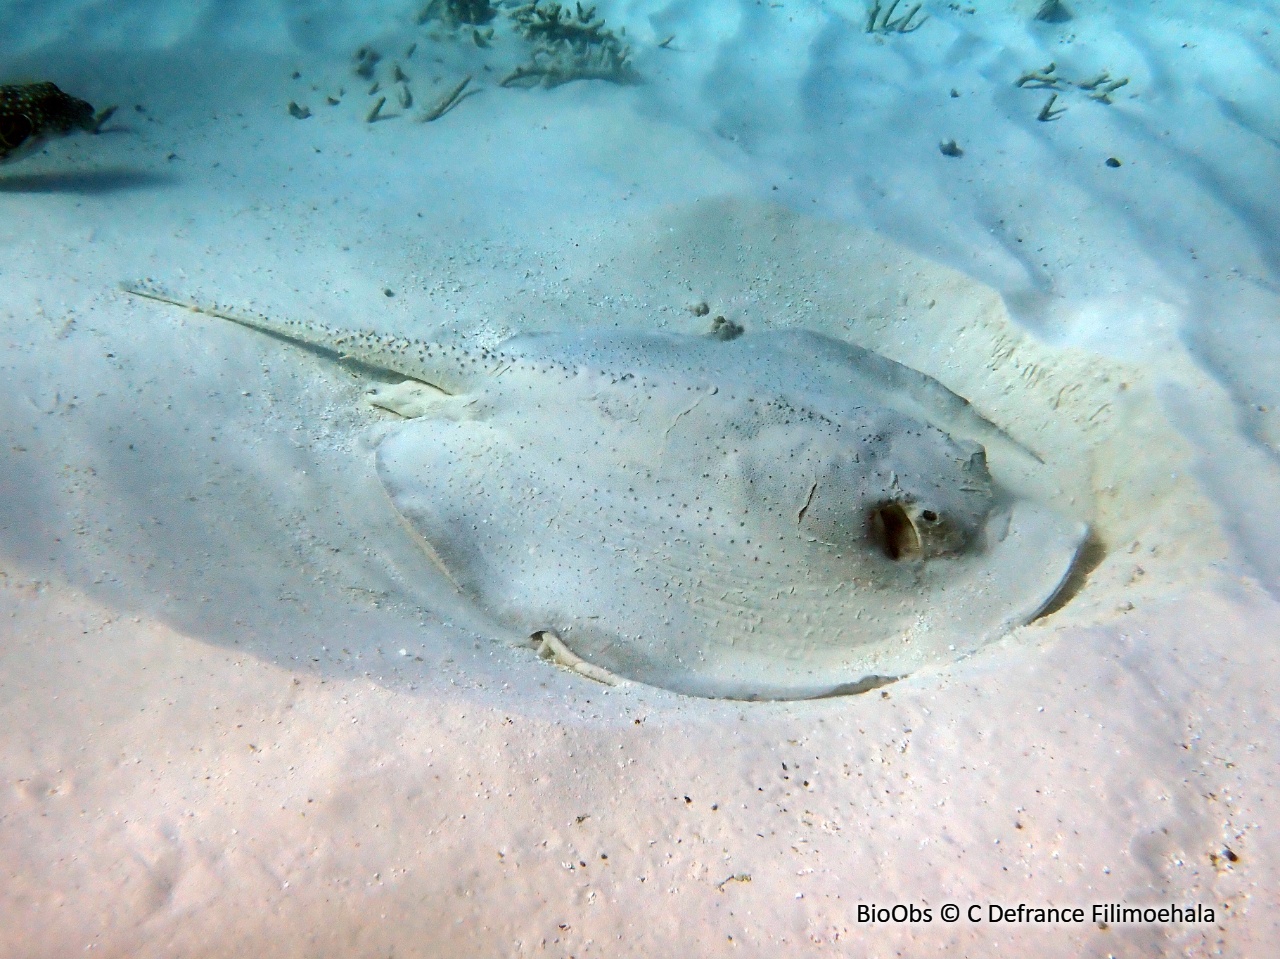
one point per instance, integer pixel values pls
(778, 515)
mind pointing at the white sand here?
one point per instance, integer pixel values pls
(211, 743)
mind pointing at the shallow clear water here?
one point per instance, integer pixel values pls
(194, 541)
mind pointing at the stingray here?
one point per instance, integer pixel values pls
(777, 515)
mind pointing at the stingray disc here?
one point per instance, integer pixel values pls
(778, 516)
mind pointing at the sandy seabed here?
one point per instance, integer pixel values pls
(243, 715)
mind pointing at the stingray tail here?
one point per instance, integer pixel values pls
(447, 368)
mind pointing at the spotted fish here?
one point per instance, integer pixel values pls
(31, 112)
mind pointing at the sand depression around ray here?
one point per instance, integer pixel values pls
(776, 515)
(783, 514)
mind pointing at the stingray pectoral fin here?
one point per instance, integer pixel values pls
(448, 482)
(955, 606)
(1030, 553)
(517, 535)
(891, 383)
(1055, 543)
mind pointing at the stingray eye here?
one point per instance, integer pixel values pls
(929, 516)
(14, 129)
(892, 530)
